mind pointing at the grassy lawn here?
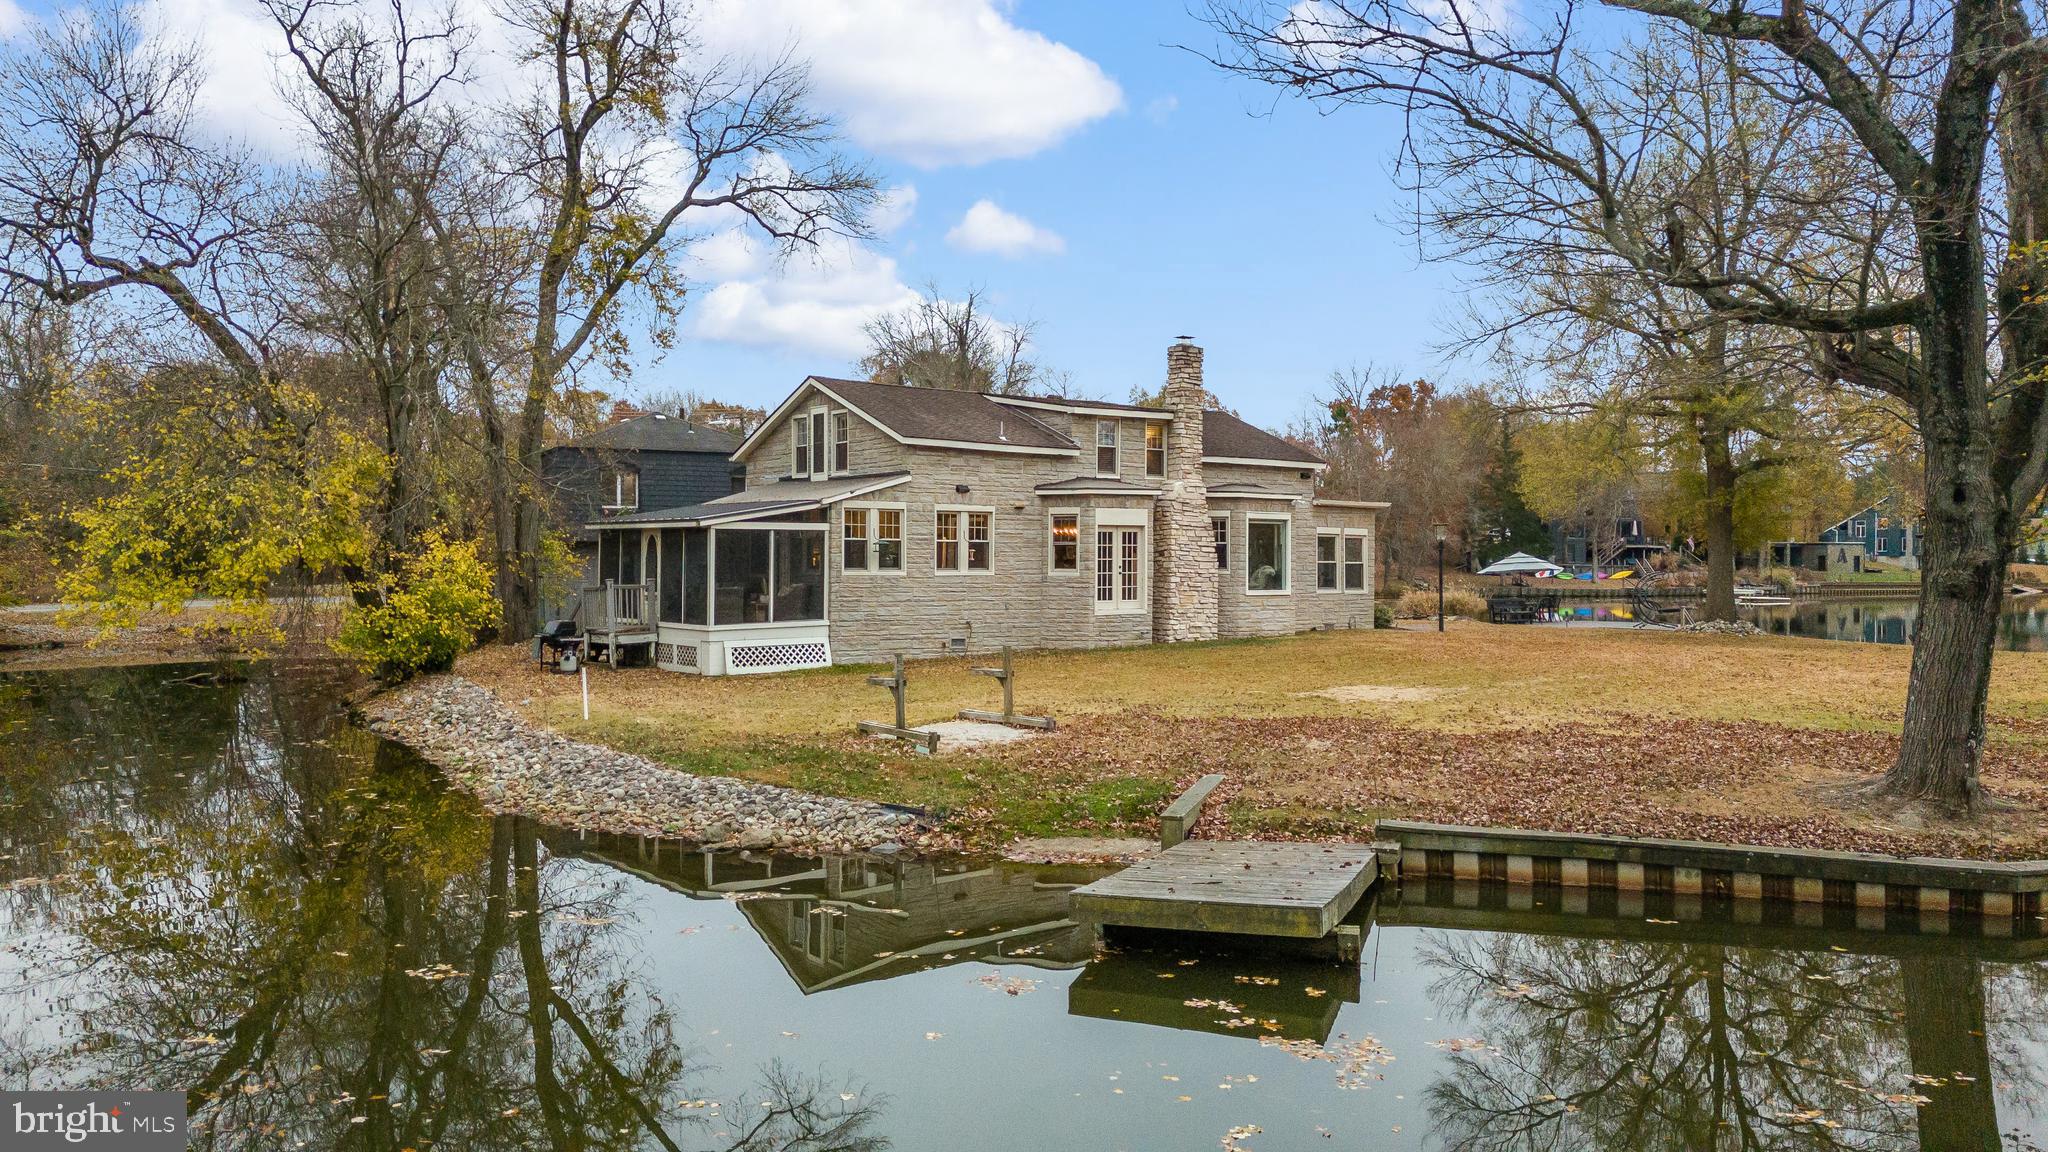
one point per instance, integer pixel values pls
(1585, 729)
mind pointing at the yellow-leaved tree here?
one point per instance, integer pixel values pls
(421, 619)
(222, 492)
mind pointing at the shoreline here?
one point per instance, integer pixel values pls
(509, 764)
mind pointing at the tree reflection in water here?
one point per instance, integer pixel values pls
(1607, 1044)
(290, 918)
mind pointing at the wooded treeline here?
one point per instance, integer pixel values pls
(235, 367)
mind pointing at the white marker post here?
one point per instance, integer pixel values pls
(584, 671)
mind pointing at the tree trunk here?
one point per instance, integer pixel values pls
(1962, 586)
(1720, 515)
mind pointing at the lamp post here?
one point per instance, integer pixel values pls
(1442, 531)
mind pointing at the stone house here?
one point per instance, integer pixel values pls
(879, 519)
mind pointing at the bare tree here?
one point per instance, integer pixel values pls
(1940, 117)
(104, 189)
(941, 343)
(633, 139)
(369, 92)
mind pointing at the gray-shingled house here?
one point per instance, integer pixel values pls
(651, 460)
(879, 519)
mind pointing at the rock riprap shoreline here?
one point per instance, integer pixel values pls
(512, 765)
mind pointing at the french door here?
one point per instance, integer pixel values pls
(1119, 569)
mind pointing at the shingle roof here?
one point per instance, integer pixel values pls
(1080, 402)
(1096, 484)
(782, 496)
(1226, 435)
(1259, 491)
(945, 414)
(659, 433)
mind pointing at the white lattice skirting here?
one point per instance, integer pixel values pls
(677, 657)
(777, 657)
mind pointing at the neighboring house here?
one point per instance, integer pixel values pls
(650, 460)
(1841, 557)
(879, 519)
(1881, 532)
(1618, 543)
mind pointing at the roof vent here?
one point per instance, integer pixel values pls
(1002, 432)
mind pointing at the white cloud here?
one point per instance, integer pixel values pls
(897, 206)
(1160, 108)
(817, 302)
(987, 228)
(12, 19)
(931, 81)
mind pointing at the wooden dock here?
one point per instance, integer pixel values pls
(1240, 887)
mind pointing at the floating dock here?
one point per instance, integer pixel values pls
(1237, 887)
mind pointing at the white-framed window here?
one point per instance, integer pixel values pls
(1859, 528)
(1155, 449)
(842, 442)
(1063, 540)
(818, 467)
(1265, 554)
(623, 492)
(1105, 447)
(963, 539)
(1219, 526)
(855, 538)
(1354, 561)
(1120, 568)
(871, 537)
(800, 450)
(1328, 571)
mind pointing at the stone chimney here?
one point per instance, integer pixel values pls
(1184, 550)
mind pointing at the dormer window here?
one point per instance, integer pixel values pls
(623, 491)
(1105, 448)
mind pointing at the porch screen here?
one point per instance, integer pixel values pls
(741, 582)
(696, 575)
(672, 575)
(799, 576)
(608, 556)
(629, 557)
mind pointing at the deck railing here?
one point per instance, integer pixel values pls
(617, 607)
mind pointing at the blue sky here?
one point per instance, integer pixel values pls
(1198, 206)
(1064, 156)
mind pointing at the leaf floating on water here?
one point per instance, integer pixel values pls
(1262, 981)
(1219, 1005)
(1233, 1139)
(1463, 1044)
(1315, 991)
(586, 921)
(208, 1039)
(847, 1096)
(1009, 986)
(934, 1035)
(436, 972)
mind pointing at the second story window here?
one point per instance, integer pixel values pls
(1105, 448)
(622, 493)
(1155, 449)
(842, 448)
(802, 467)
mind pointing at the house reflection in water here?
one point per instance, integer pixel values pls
(833, 921)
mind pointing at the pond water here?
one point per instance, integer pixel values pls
(227, 889)
(2023, 626)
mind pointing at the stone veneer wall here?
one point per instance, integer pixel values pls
(1183, 548)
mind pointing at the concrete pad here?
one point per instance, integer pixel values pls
(960, 735)
(1080, 849)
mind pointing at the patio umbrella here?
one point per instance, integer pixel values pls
(1518, 564)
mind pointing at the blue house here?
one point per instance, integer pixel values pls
(1885, 536)
(650, 460)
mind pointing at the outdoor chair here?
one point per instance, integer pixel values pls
(554, 636)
